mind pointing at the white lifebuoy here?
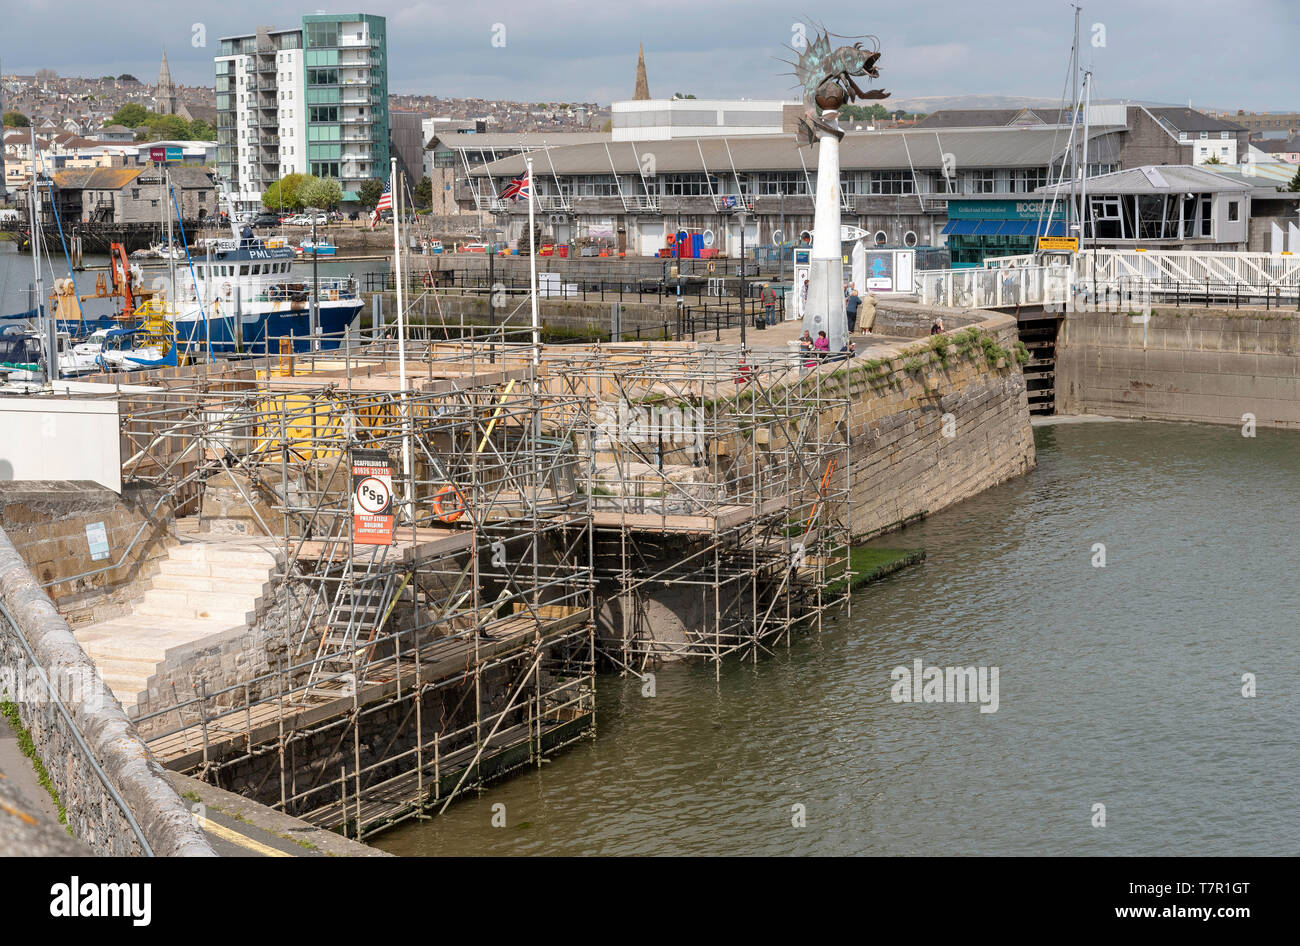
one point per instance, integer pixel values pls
(225, 290)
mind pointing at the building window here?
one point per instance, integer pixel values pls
(1205, 134)
(135, 193)
(1223, 134)
(1233, 212)
(892, 182)
(1031, 179)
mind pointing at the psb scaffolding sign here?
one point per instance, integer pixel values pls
(372, 498)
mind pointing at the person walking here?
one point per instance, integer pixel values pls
(851, 309)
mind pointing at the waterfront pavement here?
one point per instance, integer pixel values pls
(29, 821)
(783, 334)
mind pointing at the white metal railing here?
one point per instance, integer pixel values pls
(1155, 276)
(644, 202)
(1168, 267)
(995, 288)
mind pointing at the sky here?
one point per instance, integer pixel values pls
(1212, 53)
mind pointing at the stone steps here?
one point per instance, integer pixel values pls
(204, 588)
(224, 570)
(246, 585)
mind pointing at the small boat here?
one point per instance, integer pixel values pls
(22, 356)
(319, 248)
(126, 349)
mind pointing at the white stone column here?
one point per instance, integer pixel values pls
(824, 311)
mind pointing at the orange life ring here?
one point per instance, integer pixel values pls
(456, 507)
(427, 279)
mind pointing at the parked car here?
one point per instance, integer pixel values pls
(265, 220)
(355, 215)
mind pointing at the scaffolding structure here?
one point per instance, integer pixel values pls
(636, 502)
(719, 496)
(480, 607)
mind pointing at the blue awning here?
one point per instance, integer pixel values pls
(987, 227)
(1016, 228)
(960, 227)
(1056, 228)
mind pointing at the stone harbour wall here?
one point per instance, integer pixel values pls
(96, 731)
(926, 432)
(1206, 365)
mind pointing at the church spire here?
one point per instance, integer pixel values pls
(642, 92)
(164, 96)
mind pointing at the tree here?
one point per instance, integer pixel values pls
(131, 115)
(285, 194)
(127, 77)
(322, 193)
(1294, 186)
(369, 192)
(1212, 159)
(167, 127)
(201, 131)
(423, 195)
(872, 112)
(17, 120)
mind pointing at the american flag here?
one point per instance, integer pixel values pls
(385, 203)
(519, 187)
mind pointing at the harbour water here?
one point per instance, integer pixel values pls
(1119, 686)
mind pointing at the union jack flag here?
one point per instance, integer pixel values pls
(385, 203)
(519, 187)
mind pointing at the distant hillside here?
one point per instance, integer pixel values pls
(934, 103)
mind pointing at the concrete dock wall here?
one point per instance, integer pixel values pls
(1211, 366)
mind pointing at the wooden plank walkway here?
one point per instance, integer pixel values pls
(428, 543)
(722, 519)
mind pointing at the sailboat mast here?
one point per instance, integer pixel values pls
(1072, 215)
(48, 320)
(1083, 181)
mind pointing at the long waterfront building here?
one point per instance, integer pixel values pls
(973, 182)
